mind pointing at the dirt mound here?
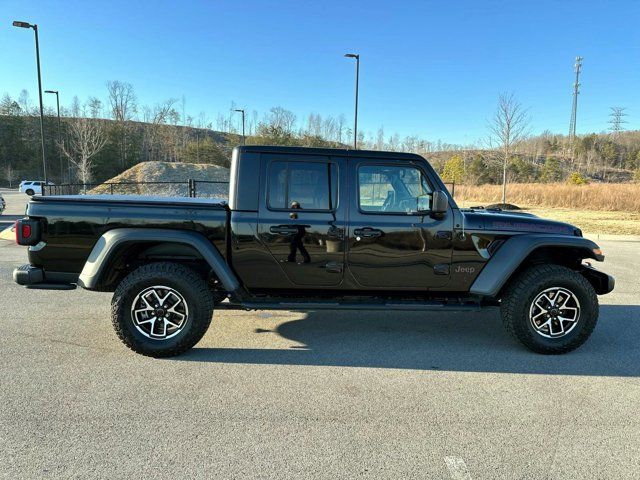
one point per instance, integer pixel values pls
(160, 172)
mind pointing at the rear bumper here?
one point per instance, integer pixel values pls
(35, 277)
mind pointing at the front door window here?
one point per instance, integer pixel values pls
(391, 189)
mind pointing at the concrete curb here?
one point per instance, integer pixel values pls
(612, 238)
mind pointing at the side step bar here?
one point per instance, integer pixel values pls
(52, 286)
(333, 305)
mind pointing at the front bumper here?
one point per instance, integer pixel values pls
(602, 282)
(35, 277)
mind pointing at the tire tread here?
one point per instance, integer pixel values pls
(520, 287)
(196, 285)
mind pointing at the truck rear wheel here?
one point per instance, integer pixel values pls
(550, 309)
(161, 309)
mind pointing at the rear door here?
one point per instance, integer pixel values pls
(392, 242)
(301, 219)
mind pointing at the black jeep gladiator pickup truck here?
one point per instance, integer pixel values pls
(310, 229)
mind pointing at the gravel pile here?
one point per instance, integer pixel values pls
(147, 178)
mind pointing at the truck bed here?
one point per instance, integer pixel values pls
(72, 224)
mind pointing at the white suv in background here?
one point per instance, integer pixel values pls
(32, 187)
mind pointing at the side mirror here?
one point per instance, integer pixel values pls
(439, 203)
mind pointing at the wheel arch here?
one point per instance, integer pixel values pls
(522, 251)
(115, 247)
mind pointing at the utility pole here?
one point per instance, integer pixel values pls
(574, 109)
(617, 119)
(241, 110)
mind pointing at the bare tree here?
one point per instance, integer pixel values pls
(508, 127)
(340, 127)
(122, 100)
(95, 107)
(10, 174)
(122, 103)
(75, 106)
(24, 100)
(160, 140)
(85, 139)
(282, 119)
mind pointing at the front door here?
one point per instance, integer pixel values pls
(392, 242)
(301, 220)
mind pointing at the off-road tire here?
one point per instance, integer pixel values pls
(30, 192)
(522, 291)
(182, 279)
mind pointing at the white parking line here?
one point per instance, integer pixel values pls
(7, 234)
(457, 468)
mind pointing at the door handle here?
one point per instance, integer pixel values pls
(284, 229)
(367, 232)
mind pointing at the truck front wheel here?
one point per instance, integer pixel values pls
(161, 309)
(550, 309)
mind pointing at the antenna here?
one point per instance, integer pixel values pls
(574, 108)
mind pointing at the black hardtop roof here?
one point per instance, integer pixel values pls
(342, 152)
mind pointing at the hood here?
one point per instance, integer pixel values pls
(496, 220)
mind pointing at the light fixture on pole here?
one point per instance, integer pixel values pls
(355, 123)
(242, 111)
(35, 29)
(57, 94)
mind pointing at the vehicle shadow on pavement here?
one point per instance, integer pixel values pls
(473, 343)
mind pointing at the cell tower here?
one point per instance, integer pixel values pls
(617, 119)
(574, 109)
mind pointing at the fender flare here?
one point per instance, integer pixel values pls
(515, 250)
(110, 242)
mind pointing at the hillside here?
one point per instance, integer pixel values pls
(123, 143)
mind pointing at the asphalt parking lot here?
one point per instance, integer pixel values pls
(316, 395)
(16, 203)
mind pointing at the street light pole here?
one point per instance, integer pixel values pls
(35, 29)
(59, 134)
(243, 137)
(355, 123)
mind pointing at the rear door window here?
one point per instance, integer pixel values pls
(302, 185)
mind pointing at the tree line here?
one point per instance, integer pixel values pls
(100, 138)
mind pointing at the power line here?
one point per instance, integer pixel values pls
(617, 120)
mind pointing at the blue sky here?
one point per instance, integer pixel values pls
(432, 69)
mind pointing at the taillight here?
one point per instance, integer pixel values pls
(27, 231)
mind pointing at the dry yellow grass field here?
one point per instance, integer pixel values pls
(603, 208)
(623, 197)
